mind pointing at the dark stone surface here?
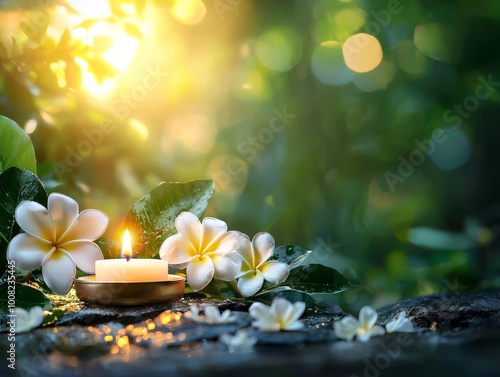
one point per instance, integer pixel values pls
(450, 310)
(159, 341)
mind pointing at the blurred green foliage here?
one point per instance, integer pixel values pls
(257, 96)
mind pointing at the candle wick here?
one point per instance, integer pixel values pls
(128, 257)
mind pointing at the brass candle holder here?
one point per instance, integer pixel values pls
(129, 293)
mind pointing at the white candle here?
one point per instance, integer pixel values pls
(131, 270)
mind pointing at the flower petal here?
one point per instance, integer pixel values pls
(298, 310)
(212, 314)
(63, 210)
(200, 272)
(59, 271)
(226, 243)
(250, 284)
(245, 249)
(34, 219)
(28, 252)
(84, 253)
(259, 310)
(22, 320)
(364, 336)
(190, 227)
(292, 326)
(346, 328)
(226, 266)
(177, 250)
(265, 318)
(263, 247)
(274, 271)
(282, 308)
(36, 316)
(89, 225)
(211, 229)
(368, 316)
(400, 324)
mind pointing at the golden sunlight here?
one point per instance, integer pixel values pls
(188, 12)
(97, 8)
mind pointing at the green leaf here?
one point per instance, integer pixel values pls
(15, 186)
(290, 254)
(316, 279)
(152, 219)
(220, 288)
(25, 297)
(110, 248)
(16, 148)
(292, 296)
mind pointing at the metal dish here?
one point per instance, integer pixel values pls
(129, 293)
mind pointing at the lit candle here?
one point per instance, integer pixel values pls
(130, 270)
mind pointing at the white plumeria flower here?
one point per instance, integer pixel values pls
(281, 315)
(27, 320)
(212, 315)
(207, 250)
(240, 341)
(193, 313)
(256, 268)
(363, 329)
(400, 324)
(58, 238)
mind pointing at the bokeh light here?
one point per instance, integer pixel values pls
(328, 66)
(188, 12)
(279, 48)
(438, 41)
(362, 52)
(454, 151)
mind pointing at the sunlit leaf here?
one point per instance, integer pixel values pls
(132, 30)
(152, 219)
(16, 51)
(73, 74)
(16, 148)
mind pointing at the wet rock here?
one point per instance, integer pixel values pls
(451, 310)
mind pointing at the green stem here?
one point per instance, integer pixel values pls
(235, 288)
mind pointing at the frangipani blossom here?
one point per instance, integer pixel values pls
(27, 320)
(212, 315)
(256, 268)
(207, 250)
(58, 239)
(281, 315)
(363, 329)
(240, 341)
(400, 324)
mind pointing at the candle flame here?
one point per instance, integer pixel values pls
(126, 245)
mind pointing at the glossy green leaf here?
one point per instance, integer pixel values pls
(316, 279)
(110, 248)
(152, 219)
(221, 289)
(289, 254)
(16, 148)
(25, 297)
(15, 186)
